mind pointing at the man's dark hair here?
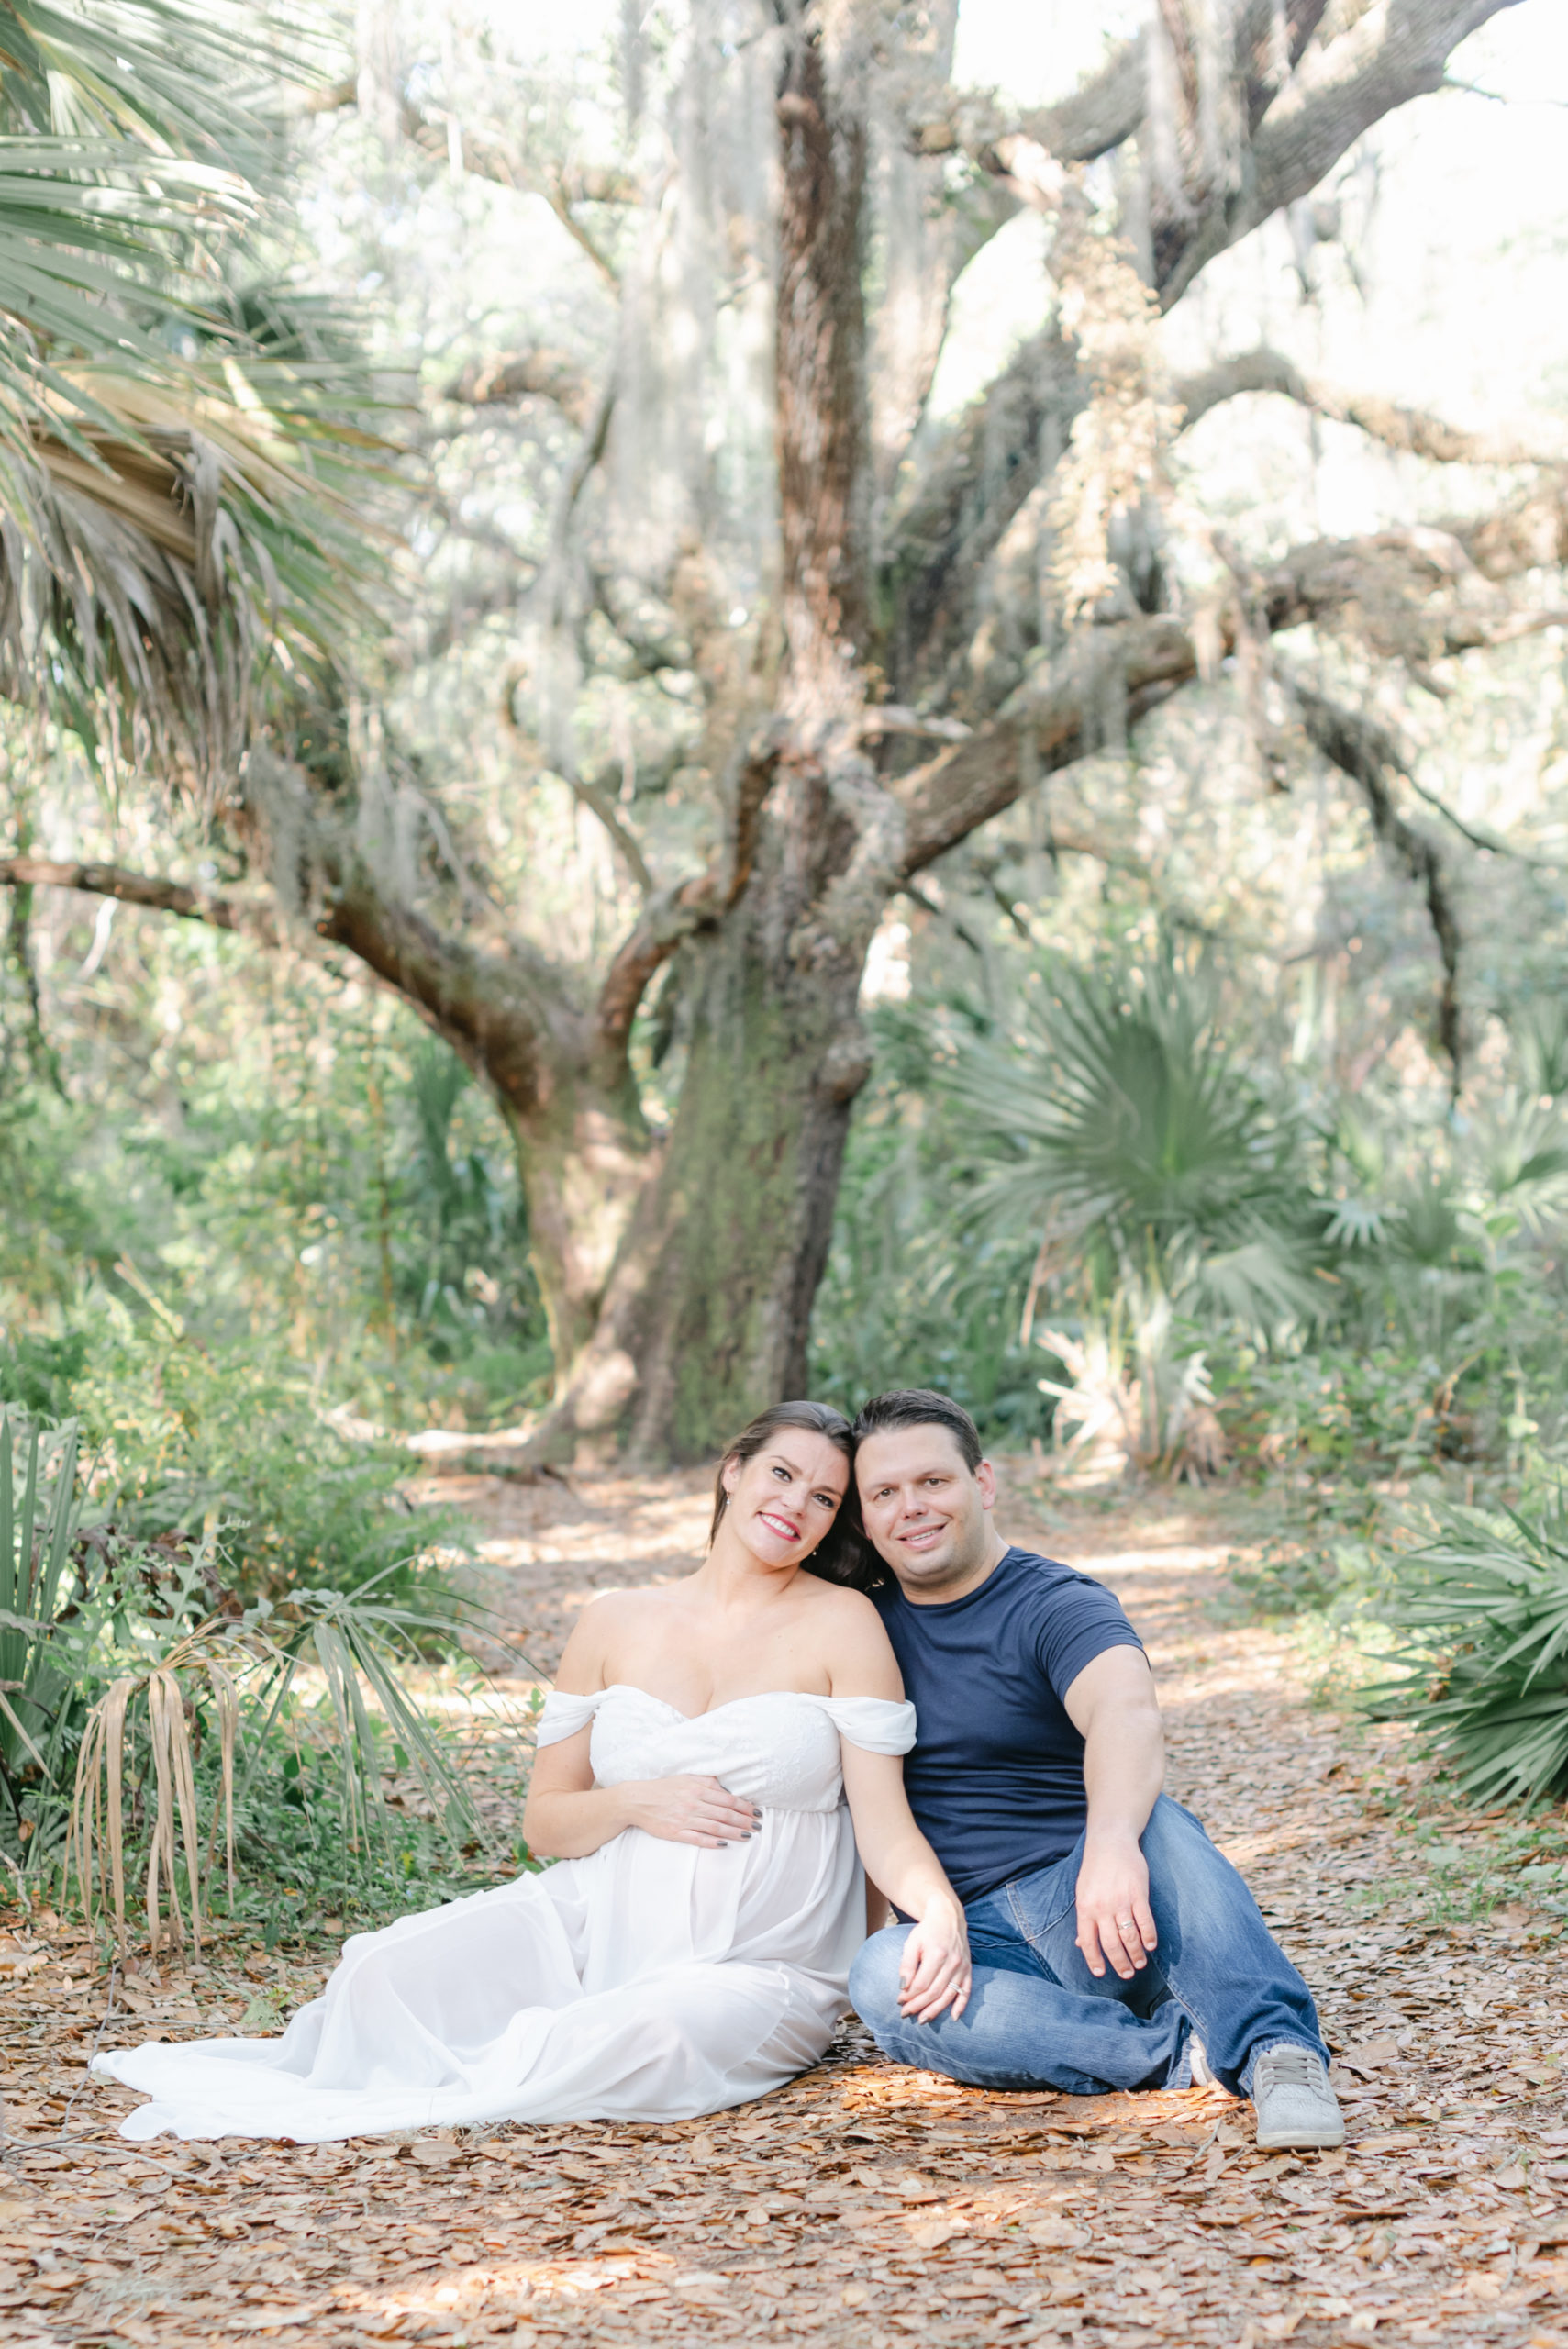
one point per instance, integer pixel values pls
(919, 1407)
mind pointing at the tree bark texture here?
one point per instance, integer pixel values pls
(736, 1225)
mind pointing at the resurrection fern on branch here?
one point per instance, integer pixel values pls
(1484, 1608)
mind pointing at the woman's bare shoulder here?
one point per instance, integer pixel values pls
(851, 1618)
(855, 1647)
(848, 1606)
(608, 1607)
(608, 1620)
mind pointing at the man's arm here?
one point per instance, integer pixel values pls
(1112, 1705)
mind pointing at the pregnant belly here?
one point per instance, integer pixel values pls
(791, 1896)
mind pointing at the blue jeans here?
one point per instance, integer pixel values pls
(1037, 2017)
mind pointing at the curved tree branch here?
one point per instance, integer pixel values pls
(1047, 724)
(598, 802)
(985, 468)
(1109, 108)
(665, 922)
(1387, 55)
(1412, 431)
(1309, 100)
(982, 472)
(483, 1005)
(673, 915)
(190, 900)
(1404, 588)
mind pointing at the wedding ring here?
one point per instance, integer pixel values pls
(1125, 1923)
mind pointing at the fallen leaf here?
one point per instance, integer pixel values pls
(930, 2233)
(264, 2319)
(1371, 2055)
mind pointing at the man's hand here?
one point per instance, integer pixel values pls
(935, 1970)
(1113, 1706)
(1114, 1921)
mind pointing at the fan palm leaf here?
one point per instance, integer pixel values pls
(1484, 1659)
(177, 492)
(1117, 1119)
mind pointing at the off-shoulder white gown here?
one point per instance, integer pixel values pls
(651, 1981)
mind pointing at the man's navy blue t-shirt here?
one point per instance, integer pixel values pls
(996, 1780)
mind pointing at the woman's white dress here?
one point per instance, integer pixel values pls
(651, 1981)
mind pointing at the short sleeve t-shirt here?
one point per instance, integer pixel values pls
(996, 1780)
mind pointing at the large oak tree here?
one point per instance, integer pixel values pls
(910, 677)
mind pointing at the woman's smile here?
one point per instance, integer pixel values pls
(778, 1524)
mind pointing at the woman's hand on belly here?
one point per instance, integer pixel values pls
(689, 1810)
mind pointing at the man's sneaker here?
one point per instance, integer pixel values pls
(1197, 2063)
(1294, 2104)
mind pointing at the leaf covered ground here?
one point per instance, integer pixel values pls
(865, 2204)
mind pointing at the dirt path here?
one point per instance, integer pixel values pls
(867, 2204)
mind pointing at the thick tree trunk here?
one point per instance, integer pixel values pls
(734, 1231)
(583, 1156)
(709, 1306)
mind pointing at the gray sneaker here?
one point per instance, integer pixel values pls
(1294, 2104)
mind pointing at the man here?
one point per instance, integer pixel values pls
(1114, 1947)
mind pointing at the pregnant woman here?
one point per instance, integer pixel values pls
(691, 1949)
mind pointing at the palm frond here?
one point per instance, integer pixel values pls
(355, 1643)
(1483, 1663)
(1118, 1115)
(36, 1528)
(177, 481)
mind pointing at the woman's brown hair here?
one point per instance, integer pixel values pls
(839, 1556)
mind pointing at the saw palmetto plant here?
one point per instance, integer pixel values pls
(174, 455)
(1118, 1126)
(1482, 1608)
(37, 1529)
(1115, 1130)
(240, 1667)
(139, 1700)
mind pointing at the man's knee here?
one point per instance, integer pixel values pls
(1174, 1838)
(873, 1977)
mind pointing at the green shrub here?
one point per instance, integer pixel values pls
(183, 1441)
(1113, 1124)
(145, 1711)
(1483, 1611)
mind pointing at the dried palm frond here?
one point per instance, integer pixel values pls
(1135, 1400)
(96, 1846)
(262, 1651)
